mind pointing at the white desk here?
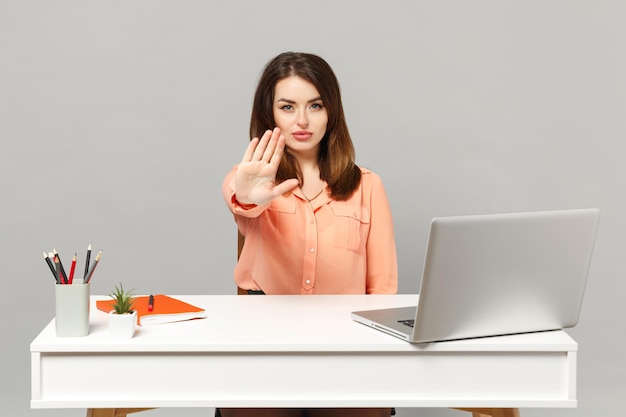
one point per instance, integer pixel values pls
(288, 351)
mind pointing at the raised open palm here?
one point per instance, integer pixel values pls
(256, 173)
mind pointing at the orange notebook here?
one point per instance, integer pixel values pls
(165, 310)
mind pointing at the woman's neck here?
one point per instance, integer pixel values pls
(306, 158)
(307, 163)
(312, 184)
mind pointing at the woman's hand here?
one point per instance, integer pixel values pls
(254, 180)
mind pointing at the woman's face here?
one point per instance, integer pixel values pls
(300, 114)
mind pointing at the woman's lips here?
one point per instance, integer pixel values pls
(302, 135)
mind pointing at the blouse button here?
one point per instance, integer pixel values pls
(312, 250)
(307, 282)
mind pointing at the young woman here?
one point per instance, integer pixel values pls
(314, 222)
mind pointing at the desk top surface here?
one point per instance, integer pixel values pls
(281, 324)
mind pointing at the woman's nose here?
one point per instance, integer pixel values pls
(303, 119)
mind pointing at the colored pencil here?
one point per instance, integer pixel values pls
(58, 267)
(72, 268)
(93, 267)
(51, 266)
(87, 260)
(63, 274)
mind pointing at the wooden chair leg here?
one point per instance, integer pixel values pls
(477, 412)
(492, 412)
(113, 412)
(101, 412)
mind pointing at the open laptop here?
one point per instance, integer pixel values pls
(497, 274)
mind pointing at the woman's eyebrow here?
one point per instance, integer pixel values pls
(286, 100)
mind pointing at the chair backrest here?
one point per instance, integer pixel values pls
(240, 241)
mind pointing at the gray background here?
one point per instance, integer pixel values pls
(119, 119)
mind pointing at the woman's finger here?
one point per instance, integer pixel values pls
(285, 186)
(271, 145)
(278, 152)
(247, 156)
(260, 148)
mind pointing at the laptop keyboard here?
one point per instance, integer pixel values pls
(409, 322)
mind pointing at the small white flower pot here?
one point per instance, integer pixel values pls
(122, 326)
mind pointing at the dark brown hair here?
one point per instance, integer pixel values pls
(336, 157)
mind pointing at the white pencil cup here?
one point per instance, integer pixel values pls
(72, 309)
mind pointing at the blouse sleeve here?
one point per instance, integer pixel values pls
(382, 264)
(238, 209)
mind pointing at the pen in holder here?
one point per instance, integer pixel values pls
(72, 309)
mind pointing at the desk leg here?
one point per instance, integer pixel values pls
(113, 412)
(492, 412)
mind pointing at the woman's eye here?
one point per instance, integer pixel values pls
(317, 106)
(287, 107)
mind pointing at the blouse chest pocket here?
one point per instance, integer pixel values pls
(280, 221)
(351, 226)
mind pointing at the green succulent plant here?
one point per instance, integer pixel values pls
(123, 300)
